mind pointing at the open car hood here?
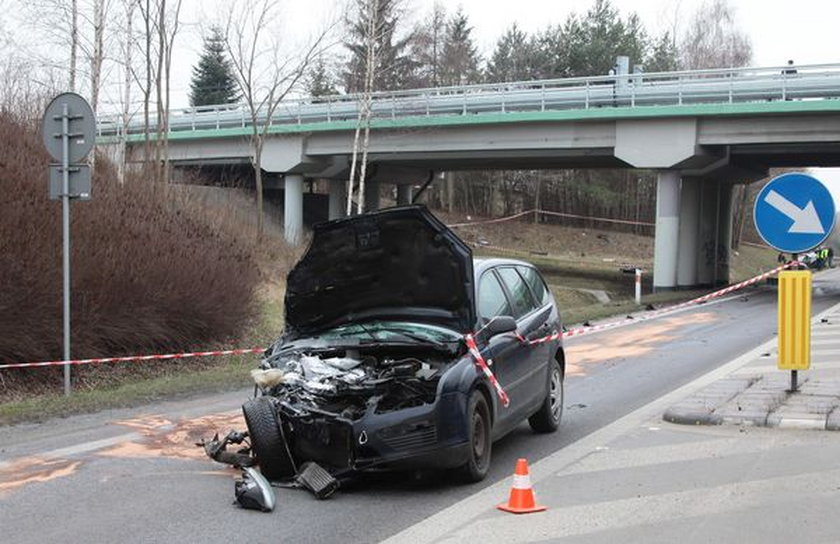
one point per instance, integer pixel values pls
(400, 263)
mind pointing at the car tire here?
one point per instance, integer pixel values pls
(479, 430)
(547, 418)
(267, 440)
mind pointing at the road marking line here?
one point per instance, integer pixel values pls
(84, 447)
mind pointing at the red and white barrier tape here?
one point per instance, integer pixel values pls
(136, 358)
(554, 214)
(699, 300)
(490, 221)
(598, 219)
(485, 368)
(469, 338)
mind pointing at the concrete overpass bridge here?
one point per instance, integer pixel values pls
(702, 131)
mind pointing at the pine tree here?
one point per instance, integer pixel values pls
(393, 67)
(320, 81)
(459, 65)
(427, 47)
(664, 56)
(513, 57)
(212, 79)
(600, 36)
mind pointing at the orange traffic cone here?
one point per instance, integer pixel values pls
(522, 499)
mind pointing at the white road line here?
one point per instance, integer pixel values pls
(78, 449)
(464, 512)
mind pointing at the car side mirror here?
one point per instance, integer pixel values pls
(499, 325)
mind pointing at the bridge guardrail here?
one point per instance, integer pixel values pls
(724, 86)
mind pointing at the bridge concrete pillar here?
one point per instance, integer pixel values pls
(371, 196)
(293, 208)
(724, 234)
(403, 195)
(338, 198)
(666, 242)
(689, 225)
(706, 241)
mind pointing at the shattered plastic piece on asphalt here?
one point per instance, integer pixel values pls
(253, 491)
(317, 480)
(217, 450)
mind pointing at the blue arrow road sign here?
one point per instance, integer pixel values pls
(794, 213)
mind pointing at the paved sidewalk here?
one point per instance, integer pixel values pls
(758, 394)
(643, 479)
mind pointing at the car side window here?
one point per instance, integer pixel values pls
(520, 295)
(491, 298)
(536, 283)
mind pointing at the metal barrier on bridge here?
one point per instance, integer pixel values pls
(720, 86)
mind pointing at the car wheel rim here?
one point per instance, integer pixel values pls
(556, 394)
(479, 438)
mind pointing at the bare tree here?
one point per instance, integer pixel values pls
(169, 33)
(97, 57)
(128, 47)
(713, 39)
(74, 41)
(148, 27)
(365, 102)
(265, 77)
(427, 47)
(50, 18)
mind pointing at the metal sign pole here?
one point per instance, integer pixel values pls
(69, 131)
(65, 227)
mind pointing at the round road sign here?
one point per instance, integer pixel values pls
(82, 127)
(794, 213)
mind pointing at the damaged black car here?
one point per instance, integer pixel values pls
(374, 369)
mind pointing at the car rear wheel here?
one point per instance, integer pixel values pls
(267, 442)
(547, 418)
(481, 442)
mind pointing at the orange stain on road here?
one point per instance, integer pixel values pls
(164, 438)
(633, 342)
(30, 470)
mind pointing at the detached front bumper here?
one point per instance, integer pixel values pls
(429, 436)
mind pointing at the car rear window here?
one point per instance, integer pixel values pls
(491, 298)
(536, 283)
(521, 297)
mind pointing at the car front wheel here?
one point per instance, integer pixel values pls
(267, 440)
(547, 418)
(481, 442)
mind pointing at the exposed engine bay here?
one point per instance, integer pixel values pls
(354, 382)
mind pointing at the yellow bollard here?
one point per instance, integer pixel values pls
(794, 322)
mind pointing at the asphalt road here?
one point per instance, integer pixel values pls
(134, 475)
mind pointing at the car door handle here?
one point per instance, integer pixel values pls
(539, 333)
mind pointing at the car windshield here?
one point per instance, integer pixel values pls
(392, 331)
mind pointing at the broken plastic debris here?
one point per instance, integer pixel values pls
(317, 480)
(253, 491)
(217, 449)
(268, 378)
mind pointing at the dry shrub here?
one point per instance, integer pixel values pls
(149, 273)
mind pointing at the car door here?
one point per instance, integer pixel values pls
(529, 363)
(493, 302)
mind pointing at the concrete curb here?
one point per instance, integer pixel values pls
(762, 400)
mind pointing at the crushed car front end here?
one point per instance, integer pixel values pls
(383, 405)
